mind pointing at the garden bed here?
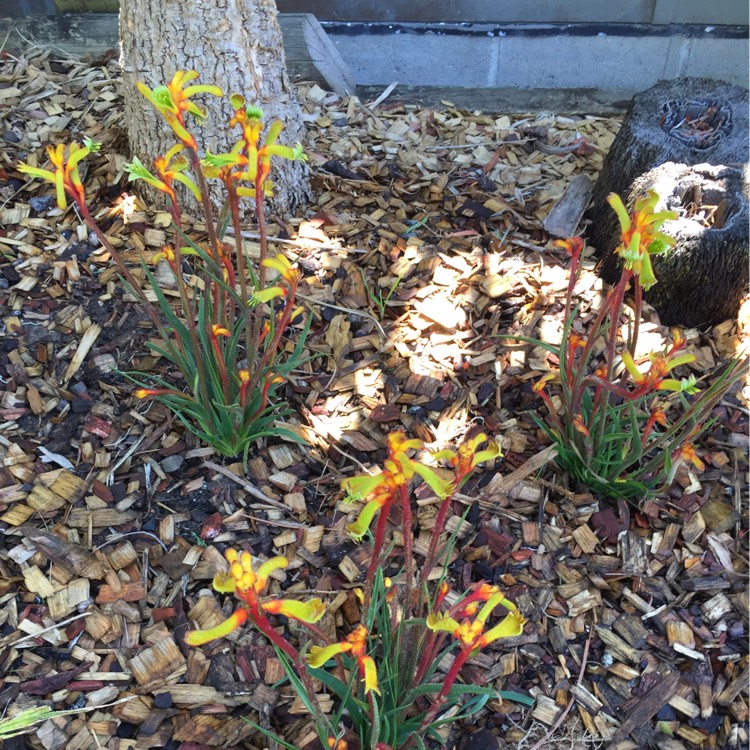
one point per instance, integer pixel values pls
(112, 516)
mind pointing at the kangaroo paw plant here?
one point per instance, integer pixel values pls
(225, 337)
(386, 673)
(625, 423)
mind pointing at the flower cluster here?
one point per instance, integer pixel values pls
(641, 237)
(655, 378)
(173, 102)
(391, 655)
(382, 489)
(466, 621)
(609, 422)
(356, 645)
(65, 176)
(247, 585)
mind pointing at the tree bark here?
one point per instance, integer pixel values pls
(234, 44)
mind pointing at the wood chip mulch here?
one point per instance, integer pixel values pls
(112, 519)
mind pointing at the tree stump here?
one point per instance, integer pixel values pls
(689, 121)
(703, 278)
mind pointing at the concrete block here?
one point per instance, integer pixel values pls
(728, 12)
(580, 62)
(417, 59)
(725, 59)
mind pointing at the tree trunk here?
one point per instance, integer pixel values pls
(703, 278)
(234, 44)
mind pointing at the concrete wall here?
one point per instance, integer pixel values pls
(541, 56)
(732, 12)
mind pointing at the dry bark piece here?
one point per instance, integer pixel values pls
(566, 214)
(72, 557)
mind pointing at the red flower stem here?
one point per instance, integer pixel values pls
(265, 627)
(222, 367)
(187, 302)
(270, 350)
(648, 428)
(452, 675)
(427, 657)
(577, 388)
(554, 416)
(377, 548)
(437, 531)
(450, 678)
(263, 401)
(572, 279)
(122, 268)
(598, 420)
(638, 311)
(408, 532)
(260, 215)
(234, 206)
(213, 240)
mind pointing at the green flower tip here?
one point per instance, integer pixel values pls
(254, 112)
(689, 385)
(91, 145)
(136, 170)
(162, 98)
(219, 160)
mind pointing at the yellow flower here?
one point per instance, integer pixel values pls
(580, 425)
(168, 168)
(65, 176)
(247, 585)
(467, 457)
(266, 295)
(574, 245)
(249, 118)
(689, 455)
(382, 488)
(285, 269)
(147, 392)
(471, 634)
(219, 330)
(661, 364)
(640, 236)
(173, 102)
(541, 384)
(356, 645)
